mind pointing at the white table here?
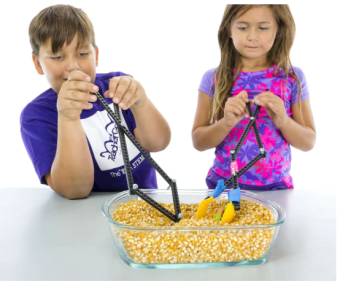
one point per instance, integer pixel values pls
(47, 237)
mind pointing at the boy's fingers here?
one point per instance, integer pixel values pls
(122, 87)
(80, 96)
(77, 75)
(114, 82)
(131, 101)
(79, 105)
(82, 86)
(130, 92)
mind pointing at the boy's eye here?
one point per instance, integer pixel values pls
(84, 54)
(56, 57)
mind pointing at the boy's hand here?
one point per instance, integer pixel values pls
(75, 94)
(235, 109)
(274, 107)
(126, 92)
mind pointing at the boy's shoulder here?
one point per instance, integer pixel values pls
(38, 106)
(106, 76)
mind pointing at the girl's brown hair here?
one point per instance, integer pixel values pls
(60, 23)
(230, 58)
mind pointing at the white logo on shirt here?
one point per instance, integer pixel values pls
(102, 133)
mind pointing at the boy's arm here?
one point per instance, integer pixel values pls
(152, 130)
(72, 172)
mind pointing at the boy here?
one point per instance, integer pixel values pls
(72, 142)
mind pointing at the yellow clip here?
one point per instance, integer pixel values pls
(203, 207)
(229, 213)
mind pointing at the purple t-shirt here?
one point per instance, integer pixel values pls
(39, 131)
(270, 173)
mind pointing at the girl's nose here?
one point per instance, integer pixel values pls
(253, 35)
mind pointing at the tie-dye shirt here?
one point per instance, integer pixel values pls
(273, 172)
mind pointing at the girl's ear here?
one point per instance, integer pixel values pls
(37, 65)
(97, 52)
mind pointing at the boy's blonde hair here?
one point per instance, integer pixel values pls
(230, 58)
(60, 23)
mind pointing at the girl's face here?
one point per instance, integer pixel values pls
(57, 67)
(253, 33)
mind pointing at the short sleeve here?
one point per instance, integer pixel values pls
(295, 88)
(207, 83)
(40, 140)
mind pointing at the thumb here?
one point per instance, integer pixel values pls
(244, 95)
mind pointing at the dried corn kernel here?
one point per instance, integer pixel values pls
(222, 245)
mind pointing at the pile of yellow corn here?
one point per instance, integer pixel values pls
(191, 240)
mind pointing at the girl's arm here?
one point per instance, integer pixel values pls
(205, 135)
(297, 135)
(152, 130)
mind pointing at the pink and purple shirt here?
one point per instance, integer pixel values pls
(273, 172)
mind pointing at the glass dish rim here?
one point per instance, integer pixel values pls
(281, 214)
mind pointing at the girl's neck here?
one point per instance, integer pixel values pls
(253, 65)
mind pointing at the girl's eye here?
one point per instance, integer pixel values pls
(242, 28)
(263, 29)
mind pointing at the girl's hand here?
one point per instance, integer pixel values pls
(126, 92)
(274, 107)
(74, 96)
(235, 109)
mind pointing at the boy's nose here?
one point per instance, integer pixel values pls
(72, 64)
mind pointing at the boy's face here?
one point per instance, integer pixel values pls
(57, 67)
(253, 33)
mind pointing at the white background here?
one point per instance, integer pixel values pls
(167, 46)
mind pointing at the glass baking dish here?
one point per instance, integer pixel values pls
(232, 240)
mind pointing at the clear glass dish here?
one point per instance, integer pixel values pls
(230, 238)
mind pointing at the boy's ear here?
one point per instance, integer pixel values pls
(97, 52)
(37, 65)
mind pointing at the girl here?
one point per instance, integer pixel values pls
(255, 67)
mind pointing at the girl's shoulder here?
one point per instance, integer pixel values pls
(298, 71)
(207, 82)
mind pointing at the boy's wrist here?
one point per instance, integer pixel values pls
(143, 106)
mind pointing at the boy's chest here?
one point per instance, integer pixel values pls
(102, 134)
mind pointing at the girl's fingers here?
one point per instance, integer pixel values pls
(244, 96)
(235, 110)
(241, 104)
